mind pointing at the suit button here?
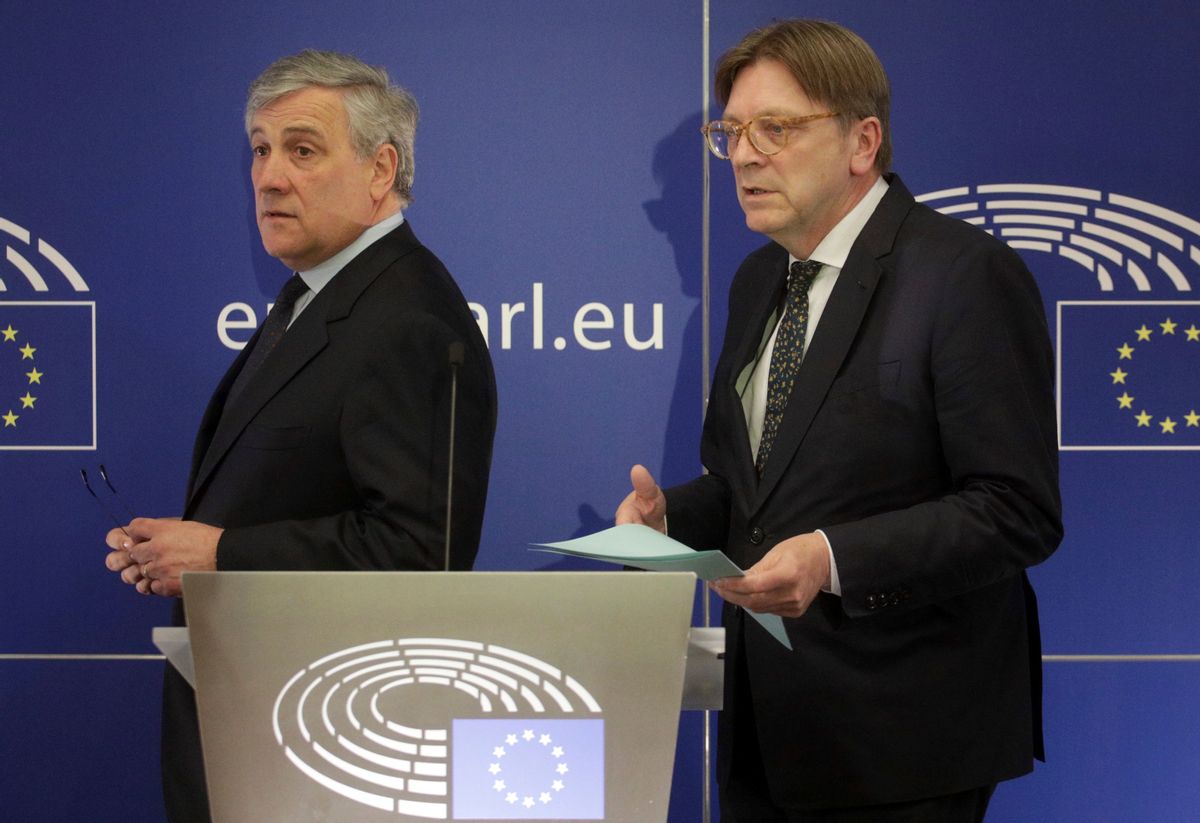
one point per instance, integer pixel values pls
(872, 602)
(757, 535)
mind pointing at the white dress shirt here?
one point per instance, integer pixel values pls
(831, 253)
(318, 276)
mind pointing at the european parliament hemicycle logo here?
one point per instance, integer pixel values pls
(374, 723)
(47, 350)
(1128, 370)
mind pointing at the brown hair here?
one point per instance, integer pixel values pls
(832, 64)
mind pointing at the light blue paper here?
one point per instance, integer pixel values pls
(645, 548)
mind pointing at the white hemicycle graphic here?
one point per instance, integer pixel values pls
(331, 720)
(22, 255)
(1110, 235)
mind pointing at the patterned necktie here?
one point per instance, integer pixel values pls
(786, 356)
(272, 332)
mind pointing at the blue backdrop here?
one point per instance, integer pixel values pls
(559, 176)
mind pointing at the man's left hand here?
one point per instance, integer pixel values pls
(785, 581)
(162, 549)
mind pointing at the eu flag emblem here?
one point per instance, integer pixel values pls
(1129, 375)
(47, 376)
(530, 769)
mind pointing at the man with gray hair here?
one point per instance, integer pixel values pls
(325, 446)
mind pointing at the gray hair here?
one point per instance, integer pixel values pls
(378, 111)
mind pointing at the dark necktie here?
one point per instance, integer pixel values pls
(787, 354)
(272, 332)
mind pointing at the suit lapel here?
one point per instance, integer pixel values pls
(838, 327)
(766, 299)
(212, 412)
(306, 337)
(303, 340)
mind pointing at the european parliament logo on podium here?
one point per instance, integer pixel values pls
(370, 723)
(47, 351)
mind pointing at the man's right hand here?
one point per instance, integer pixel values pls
(645, 505)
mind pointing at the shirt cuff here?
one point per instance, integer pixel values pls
(835, 585)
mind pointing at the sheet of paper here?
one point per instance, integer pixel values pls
(645, 548)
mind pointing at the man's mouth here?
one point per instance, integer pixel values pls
(274, 213)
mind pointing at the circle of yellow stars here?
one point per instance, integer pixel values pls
(527, 800)
(1167, 425)
(33, 376)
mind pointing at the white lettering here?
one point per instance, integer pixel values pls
(655, 340)
(227, 321)
(507, 312)
(236, 323)
(582, 324)
(537, 315)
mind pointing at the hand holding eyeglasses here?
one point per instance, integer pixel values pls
(152, 553)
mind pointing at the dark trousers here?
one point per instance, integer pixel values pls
(184, 790)
(746, 798)
(963, 807)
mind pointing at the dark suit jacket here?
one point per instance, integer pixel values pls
(920, 436)
(334, 456)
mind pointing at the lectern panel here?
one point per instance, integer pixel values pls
(439, 696)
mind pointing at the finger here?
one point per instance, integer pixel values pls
(143, 586)
(142, 528)
(131, 574)
(140, 553)
(166, 588)
(628, 511)
(643, 483)
(116, 561)
(116, 539)
(752, 582)
(732, 597)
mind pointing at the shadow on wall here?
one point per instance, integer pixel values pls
(677, 213)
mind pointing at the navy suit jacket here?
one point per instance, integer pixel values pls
(335, 455)
(920, 436)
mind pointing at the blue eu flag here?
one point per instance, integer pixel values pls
(47, 376)
(1129, 375)
(528, 769)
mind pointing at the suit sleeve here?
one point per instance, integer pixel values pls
(698, 512)
(393, 438)
(991, 372)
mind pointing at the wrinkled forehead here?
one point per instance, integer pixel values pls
(314, 110)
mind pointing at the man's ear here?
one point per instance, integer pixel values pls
(868, 136)
(383, 170)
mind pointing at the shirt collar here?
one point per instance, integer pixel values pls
(835, 247)
(318, 276)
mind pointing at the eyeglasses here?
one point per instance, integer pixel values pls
(768, 134)
(103, 501)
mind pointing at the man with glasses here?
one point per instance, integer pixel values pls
(326, 446)
(881, 453)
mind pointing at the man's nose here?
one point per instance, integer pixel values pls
(742, 151)
(270, 174)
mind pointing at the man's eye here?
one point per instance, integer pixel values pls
(771, 127)
(304, 151)
(258, 151)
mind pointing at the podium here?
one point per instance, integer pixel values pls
(398, 696)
